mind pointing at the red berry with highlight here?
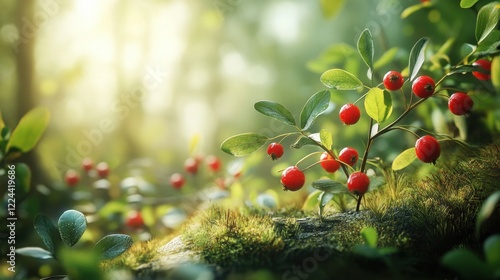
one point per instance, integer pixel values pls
(293, 178)
(358, 183)
(393, 80)
(177, 180)
(134, 220)
(349, 156)
(191, 165)
(460, 103)
(423, 86)
(72, 178)
(427, 149)
(102, 169)
(328, 163)
(214, 163)
(349, 114)
(275, 150)
(87, 164)
(486, 65)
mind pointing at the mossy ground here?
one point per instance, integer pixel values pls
(423, 219)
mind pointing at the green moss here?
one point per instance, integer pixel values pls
(230, 239)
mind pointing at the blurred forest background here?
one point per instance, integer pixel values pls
(132, 82)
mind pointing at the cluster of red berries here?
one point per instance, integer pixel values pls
(72, 177)
(293, 179)
(427, 148)
(191, 166)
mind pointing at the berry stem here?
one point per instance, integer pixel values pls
(359, 203)
(368, 146)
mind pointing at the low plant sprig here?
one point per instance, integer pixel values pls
(378, 106)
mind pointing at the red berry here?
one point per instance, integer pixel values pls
(102, 169)
(349, 114)
(71, 178)
(423, 86)
(393, 80)
(427, 149)
(191, 165)
(349, 156)
(275, 150)
(293, 178)
(134, 220)
(214, 163)
(358, 183)
(486, 65)
(177, 180)
(460, 103)
(87, 164)
(328, 163)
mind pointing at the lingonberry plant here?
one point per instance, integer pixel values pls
(377, 99)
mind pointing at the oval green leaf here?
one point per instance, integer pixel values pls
(417, 57)
(492, 250)
(113, 245)
(47, 232)
(370, 236)
(466, 264)
(324, 198)
(365, 48)
(330, 186)
(311, 201)
(404, 159)
(326, 138)
(304, 141)
(413, 9)
(275, 111)
(487, 209)
(315, 106)
(340, 79)
(487, 20)
(35, 252)
(378, 104)
(467, 3)
(72, 224)
(495, 73)
(243, 144)
(29, 130)
(330, 8)
(23, 179)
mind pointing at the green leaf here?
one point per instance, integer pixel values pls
(492, 251)
(113, 245)
(414, 8)
(375, 183)
(487, 209)
(35, 252)
(495, 73)
(487, 20)
(467, 3)
(47, 232)
(304, 141)
(243, 144)
(386, 58)
(326, 138)
(366, 49)
(29, 130)
(404, 159)
(331, 7)
(275, 111)
(330, 186)
(340, 79)
(311, 201)
(370, 236)
(417, 57)
(72, 225)
(82, 264)
(367, 251)
(324, 198)
(336, 54)
(466, 264)
(315, 106)
(378, 104)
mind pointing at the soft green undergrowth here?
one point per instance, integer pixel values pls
(423, 219)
